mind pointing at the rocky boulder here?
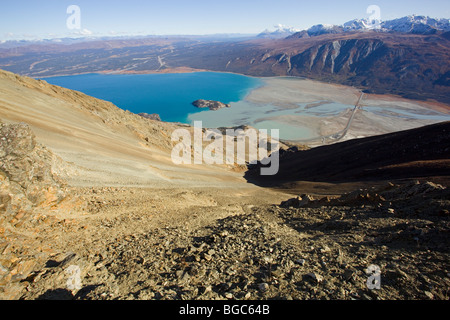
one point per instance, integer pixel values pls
(26, 175)
(297, 202)
(28, 185)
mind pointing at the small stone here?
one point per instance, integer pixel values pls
(316, 277)
(277, 273)
(325, 249)
(300, 262)
(186, 277)
(3, 269)
(348, 274)
(391, 211)
(429, 295)
(263, 287)
(230, 271)
(179, 273)
(229, 295)
(207, 257)
(267, 259)
(402, 274)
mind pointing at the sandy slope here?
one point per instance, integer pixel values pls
(103, 144)
(138, 227)
(103, 147)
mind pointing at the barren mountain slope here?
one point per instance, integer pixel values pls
(415, 153)
(103, 144)
(93, 208)
(69, 161)
(413, 66)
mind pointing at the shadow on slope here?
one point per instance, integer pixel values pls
(416, 153)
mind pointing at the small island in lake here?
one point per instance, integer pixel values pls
(211, 104)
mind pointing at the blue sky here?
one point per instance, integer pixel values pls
(30, 19)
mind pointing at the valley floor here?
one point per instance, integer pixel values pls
(376, 114)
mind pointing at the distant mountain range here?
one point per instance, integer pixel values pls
(413, 24)
(280, 31)
(409, 57)
(410, 24)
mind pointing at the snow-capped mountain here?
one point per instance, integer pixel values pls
(280, 31)
(410, 24)
(416, 24)
(362, 24)
(319, 29)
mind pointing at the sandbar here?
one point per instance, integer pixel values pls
(306, 111)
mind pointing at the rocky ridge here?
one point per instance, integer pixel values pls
(31, 194)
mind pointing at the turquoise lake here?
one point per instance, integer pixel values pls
(169, 95)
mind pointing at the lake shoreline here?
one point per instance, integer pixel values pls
(296, 106)
(169, 95)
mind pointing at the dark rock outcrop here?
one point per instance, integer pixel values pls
(153, 116)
